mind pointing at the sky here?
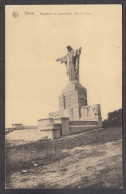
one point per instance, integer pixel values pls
(39, 35)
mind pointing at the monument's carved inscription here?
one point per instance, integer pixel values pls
(55, 115)
(71, 61)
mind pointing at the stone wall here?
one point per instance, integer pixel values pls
(78, 129)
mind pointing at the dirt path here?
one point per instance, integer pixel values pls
(86, 166)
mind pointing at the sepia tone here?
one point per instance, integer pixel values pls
(60, 139)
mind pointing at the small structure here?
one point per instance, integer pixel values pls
(17, 125)
(74, 114)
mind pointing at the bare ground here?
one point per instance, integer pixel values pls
(88, 160)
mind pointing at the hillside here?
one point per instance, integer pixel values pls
(91, 159)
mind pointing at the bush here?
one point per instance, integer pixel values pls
(114, 119)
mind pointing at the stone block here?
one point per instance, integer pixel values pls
(50, 127)
(17, 126)
(76, 109)
(72, 86)
(69, 113)
(73, 95)
(44, 122)
(52, 131)
(76, 115)
(61, 108)
(47, 134)
(56, 134)
(64, 125)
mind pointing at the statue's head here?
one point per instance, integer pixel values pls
(69, 48)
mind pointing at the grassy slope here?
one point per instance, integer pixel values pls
(45, 153)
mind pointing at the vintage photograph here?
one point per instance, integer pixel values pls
(63, 85)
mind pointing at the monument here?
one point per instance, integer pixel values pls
(74, 114)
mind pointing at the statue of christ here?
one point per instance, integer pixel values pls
(71, 61)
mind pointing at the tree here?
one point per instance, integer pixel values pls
(114, 119)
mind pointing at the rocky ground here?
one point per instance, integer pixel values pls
(87, 160)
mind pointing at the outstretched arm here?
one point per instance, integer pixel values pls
(62, 60)
(78, 51)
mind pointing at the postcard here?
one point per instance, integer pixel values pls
(63, 85)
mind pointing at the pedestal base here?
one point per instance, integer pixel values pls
(74, 114)
(73, 96)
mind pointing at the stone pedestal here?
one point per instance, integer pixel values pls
(74, 114)
(73, 95)
(73, 104)
(72, 98)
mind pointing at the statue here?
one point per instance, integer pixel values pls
(71, 61)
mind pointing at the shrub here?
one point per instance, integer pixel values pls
(114, 119)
